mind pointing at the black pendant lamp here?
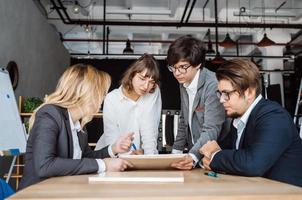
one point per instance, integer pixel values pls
(288, 51)
(128, 49)
(210, 49)
(218, 59)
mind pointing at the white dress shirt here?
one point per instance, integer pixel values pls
(122, 115)
(191, 89)
(77, 152)
(240, 123)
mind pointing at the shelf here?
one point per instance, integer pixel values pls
(13, 176)
(25, 114)
(98, 115)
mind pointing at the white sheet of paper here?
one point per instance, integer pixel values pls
(142, 176)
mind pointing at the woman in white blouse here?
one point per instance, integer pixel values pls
(134, 107)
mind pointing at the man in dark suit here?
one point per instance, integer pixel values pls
(263, 140)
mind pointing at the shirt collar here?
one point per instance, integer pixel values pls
(74, 126)
(122, 96)
(243, 119)
(193, 85)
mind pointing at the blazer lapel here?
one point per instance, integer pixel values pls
(201, 81)
(69, 134)
(185, 102)
(249, 124)
(82, 141)
(242, 138)
(234, 135)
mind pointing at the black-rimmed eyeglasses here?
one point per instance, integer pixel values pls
(225, 95)
(181, 69)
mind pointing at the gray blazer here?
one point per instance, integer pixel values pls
(49, 148)
(207, 117)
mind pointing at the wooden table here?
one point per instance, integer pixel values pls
(196, 185)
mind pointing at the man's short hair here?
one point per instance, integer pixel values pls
(187, 48)
(242, 74)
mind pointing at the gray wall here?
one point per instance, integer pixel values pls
(28, 39)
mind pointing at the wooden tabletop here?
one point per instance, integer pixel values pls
(196, 185)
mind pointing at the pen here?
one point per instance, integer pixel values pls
(133, 146)
(212, 174)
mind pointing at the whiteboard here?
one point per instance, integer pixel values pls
(12, 133)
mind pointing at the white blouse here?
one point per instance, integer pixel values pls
(122, 115)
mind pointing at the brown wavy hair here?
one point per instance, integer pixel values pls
(242, 74)
(146, 61)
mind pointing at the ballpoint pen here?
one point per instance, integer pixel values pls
(133, 146)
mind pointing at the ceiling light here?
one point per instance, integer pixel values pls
(128, 49)
(288, 51)
(210, 49)
(227, 42)
(87, 28)
(218, 60)
(265, 41)
(76, 8)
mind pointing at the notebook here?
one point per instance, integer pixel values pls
(139, 176)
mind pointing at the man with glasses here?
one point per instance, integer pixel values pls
(263, 140)
(202, 115)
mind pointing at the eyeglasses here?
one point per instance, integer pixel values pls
(225, 94)
(181, 69)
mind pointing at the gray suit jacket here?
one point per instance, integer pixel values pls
(207, 117)
(49, 148)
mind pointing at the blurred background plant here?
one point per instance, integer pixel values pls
(31, 103)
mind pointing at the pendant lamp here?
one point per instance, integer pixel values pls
(210, 49)
(218, 60)
(288, 51)
(265, 42)
(128, 49)
(227, 42)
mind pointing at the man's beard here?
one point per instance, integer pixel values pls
(233, 115)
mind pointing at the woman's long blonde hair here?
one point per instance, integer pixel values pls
(79, 86)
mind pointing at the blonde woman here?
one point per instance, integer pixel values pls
(57, 145)
(134, 107)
